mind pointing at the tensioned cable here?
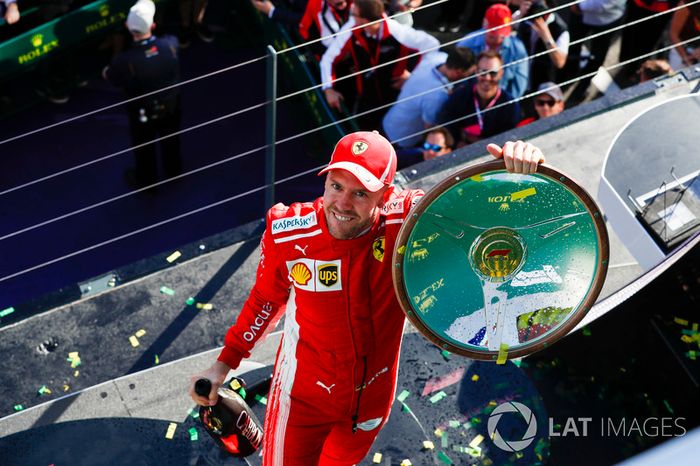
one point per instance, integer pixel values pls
(237, 196)
(92, 112)
(422, 52)
(359, 114)
(128, 149)
(157, 224)
(208, 75)
(565, 83)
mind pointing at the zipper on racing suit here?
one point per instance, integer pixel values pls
(359, 389)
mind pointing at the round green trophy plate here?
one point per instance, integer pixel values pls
(494, 265)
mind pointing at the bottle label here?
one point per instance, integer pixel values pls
(249, 429)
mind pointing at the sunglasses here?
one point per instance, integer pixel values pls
(432, 147)
(547, 102)
(493, 74)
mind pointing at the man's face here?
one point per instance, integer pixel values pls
(546, 106)
(489, 72)
(339, 5)
(438, 145)
(348, 206)
(494, 39)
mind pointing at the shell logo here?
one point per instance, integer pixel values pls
(300, 273)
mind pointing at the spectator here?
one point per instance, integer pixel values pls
(322, 19)
(438, 141)
(588, 18)
(639, 39)
(548, 102)
(481, 110)
(288, 12)
(652, 69)
(515, 76)
(192, 11)
(381, 40)
(546, 32)
(394, 7)
(685, 25)
(152, 63)
(413, 112)
(9, 11)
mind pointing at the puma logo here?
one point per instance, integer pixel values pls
(303, 250)
(322, 385)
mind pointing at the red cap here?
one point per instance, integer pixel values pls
(499, 15)
(368, 156)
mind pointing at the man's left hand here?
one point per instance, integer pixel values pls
(519, 156)
(263, 6)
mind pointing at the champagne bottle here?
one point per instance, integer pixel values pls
(230, 422)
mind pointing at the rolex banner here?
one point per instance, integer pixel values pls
(94, 20)
(494, 265)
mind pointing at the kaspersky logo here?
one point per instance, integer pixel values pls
(497, 254)
(509, 444)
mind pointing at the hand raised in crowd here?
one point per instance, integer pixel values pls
(263, 6)
(12, 13)
(519, 156)
(334, 98)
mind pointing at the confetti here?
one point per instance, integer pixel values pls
(235, 384)
(242, 392)
(517, 362)
(66, 387)
(7, 311)
(377, 458)
(442, 456)
(44, 390)
(200, 305)
(190, 301)
(444, 439)
(475, 378)
(691, 355)
(18, 407)
(194, 413)
(74, 359)
(428, 445)
(685, 331)
(76, 373)
(171, 431)
(173, 257)
(502, 354)
(455, 424)
(405, 408)
(208, 307)
(134, 341)
(166, 290)
(140, 333)
(261, 399)
(492, 403)
(668, 406)
(194, 435)
(406, 462)
(157, 360)
(680, 321)
(586, 332)
(477, 440)
(403, 395)
(445, 354)
(438, 396)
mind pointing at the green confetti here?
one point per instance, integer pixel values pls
(442, 456)
(190, 301)
(166, 290)
(7, 311)
(445, 354)
(438, 396)
(691, 355)
(193, 434)
(261, 399)
(157, 360)
(405, 408)
(242, 392)
(685, 331)
(517, 362)
(194, 413)
(586, 332)
(18, 407)
(44, 389)
(403, 395)
(444, 440)
(668, 406)
(455, 424)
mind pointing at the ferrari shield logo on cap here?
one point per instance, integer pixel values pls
(359, 147)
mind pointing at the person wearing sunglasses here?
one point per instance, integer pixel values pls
(438, 141)
(495, 35)
(548, 102)
(484, 109)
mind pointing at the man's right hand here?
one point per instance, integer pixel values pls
(217, 376)
(333, 98)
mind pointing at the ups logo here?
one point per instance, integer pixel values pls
(328, 274)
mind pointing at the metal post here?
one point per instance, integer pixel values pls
(270, 126)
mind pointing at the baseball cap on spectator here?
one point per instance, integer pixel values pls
(140, 16)
(499, 15)
(368, 156)
(552, 89)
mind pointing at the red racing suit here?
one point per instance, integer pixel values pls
(336, 368)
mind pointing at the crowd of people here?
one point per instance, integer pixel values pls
(376, 64)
